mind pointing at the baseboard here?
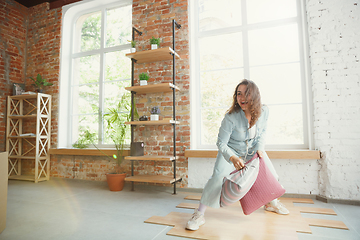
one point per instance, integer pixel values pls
(339, 201)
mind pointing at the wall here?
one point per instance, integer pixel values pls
(335, 72)
(334, 58)
(13, 27)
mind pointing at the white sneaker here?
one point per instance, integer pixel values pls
(279, 208)
(196, 220)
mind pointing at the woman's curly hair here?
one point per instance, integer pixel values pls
(255, 103)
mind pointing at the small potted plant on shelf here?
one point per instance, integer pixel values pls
(144, 77)
(155, 111)
(40, 83)
(155, 43)
(133, 45)
(116, 130)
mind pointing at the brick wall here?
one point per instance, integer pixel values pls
(335, 72)
(13, 26)
(154, 19)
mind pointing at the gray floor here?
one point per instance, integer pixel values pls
(62, 209)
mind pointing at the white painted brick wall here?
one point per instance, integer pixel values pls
(296, 176)
(334, 39)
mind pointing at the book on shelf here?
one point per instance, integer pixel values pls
(28, 92)
(27, 135)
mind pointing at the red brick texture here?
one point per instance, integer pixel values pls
(30, 44)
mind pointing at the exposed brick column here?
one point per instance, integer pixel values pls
(154, 18)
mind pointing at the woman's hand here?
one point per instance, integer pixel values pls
(260, 153)
(238, 162)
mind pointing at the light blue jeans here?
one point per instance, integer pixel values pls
(212, 190)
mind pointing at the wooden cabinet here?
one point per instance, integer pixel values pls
(28, 136)
(152, 56)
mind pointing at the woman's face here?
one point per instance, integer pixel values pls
(243, 102)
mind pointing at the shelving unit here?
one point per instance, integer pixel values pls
(152, 56)
(34, 145)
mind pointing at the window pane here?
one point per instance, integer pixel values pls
(86, 70)
(118, 67)
(219, 52)
(285, 124)
(274, 45)
(278, 83)
(265, 10)
(86, 99)
(118, 26)
(113, 92)
(84, 122)
(217, 87)
(211, 121)
(215, 14)
(90, 31)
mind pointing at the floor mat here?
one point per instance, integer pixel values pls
(230, 222)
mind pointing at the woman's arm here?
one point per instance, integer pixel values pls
(225, 131)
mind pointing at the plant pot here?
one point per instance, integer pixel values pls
(154, 117)
(143, 82)
(132, 50)
(115, 181)
(154, 46)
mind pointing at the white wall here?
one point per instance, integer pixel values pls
(334, 39)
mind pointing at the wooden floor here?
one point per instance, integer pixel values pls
(230, 222)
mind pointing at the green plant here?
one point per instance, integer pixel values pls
(155, 110)
(155, 41)
(133, 43)
(40, 82)
(116, 129)
(144, 76)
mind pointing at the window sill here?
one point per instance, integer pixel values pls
(84, 152)
(281, 154)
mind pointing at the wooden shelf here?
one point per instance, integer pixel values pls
(151, 158)
(154, 88)
(25, 157)
(27, 178)
(155, 55)
(160, 122)
(152, 179)
(22, 136)
(25, 96)
(22, 116)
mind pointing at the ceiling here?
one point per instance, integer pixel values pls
(31, 3)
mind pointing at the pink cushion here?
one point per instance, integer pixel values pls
(265, 189)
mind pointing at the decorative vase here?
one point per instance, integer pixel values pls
(143, 82)
(133, 50)
(154, 46)
(154, 117)
(115, 181)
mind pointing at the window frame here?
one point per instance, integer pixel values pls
(195, 72)
(71, 14)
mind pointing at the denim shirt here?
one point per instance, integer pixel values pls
(233, 137)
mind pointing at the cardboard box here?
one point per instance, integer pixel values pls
(3, 188)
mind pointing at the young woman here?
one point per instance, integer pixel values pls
(241, 135)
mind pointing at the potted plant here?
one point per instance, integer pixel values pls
(144, 77)
(155, 43)
(40, 83)
(155, 111)
(133, 45)
(116, 129)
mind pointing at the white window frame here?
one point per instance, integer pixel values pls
(71, 13)
(195, 72)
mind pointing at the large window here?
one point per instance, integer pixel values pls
(97, 70)
(261, 40)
